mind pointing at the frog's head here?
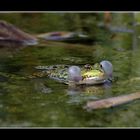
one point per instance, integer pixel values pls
(74, 74)
(107, 68)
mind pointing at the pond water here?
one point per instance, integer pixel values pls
(42, 102)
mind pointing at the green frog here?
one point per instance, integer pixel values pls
(88, 74)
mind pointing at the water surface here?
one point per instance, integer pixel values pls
(42, 102)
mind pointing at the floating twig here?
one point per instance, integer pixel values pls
(113, 101)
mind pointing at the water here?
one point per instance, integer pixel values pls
(42, 102)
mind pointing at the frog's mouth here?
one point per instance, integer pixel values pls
(94, 78)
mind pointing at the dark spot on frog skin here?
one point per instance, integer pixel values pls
(87, 66)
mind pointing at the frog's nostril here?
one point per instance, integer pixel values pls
(87, 66)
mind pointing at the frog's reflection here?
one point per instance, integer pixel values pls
(82, 94)
(92, 89)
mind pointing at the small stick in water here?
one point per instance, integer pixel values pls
(113, 101)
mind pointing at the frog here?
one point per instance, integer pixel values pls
(87, 74)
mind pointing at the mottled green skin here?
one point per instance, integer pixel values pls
(60, 73)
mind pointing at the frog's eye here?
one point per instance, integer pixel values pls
(101, 66)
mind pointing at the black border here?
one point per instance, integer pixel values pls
(69, 5)
(86, 134)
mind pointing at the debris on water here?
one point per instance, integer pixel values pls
(112, 102)
(73, 59)
(46, 90)
(10, 33)
(41, 87)
(69, 37)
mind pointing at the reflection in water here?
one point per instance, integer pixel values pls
(40, 86)
(84, 94)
